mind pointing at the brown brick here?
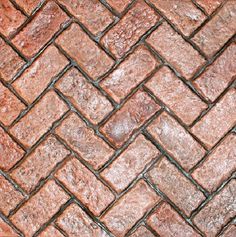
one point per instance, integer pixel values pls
(176, 95)
(40, 30)
(39, 119)
(217, 121)
(139, 19)
(176, 186)
(176, 50)
(139, 108)
(218, 30)
(130, 208)
(218, 211)
(129, 74)
(230, 231)
(51, 231)
(39, 208)
(85, 97)
(130, 163)
(93, 60)
(28, 5)
(142, 232)
(84, 141)
(38, 76)
(119, 5)
(209, 5)
(6, 230)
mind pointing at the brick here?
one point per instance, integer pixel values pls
(129, 74)
(39, 119)
(40, 30)
(93, 60)
(51, 231)
(139, 108)
(10, 106)
(39, 75)
(9, 150)
(230, 231)
(137, 21)
(130, 163)
(85, 186)
(142, 232)
(167, 222)
(217, 31)
(176, 140)
(130, 208)
(39, 163)
(6, 230)
(176, 186)
(218, 76)
(216, 123)
(176, 50)
(39, 208)
(84, 141)
(218, 211)
(84, 96)
(29, 5)
(209, 5)
(119, 6)
(176, 95)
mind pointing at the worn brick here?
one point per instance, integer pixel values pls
(39, 119)
(209, 5)
(29, 5)
(51, 231)
(176, 95)
(130, 163)
(120, 5)
(39, 208)
(40, 30)
(139, 108)
(176, 50)
(129, 74)
(93, 60)
(38, 76)
(130, 208)
(84, 141)
(137, 21)
(142, 232)
(217, 121)
(84, 96)
(176, 186)
(230, 231)
(6, 230)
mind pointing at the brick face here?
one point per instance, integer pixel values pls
(209, 5)
(142, 232)
(51, 231)
(6, 230)
(119, 5)
(28, 5)
(230, 231)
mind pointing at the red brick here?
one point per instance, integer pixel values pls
(218, 76)
(142, 232)
(176, 95)
(39, 119)
(139, 19)
(176, 50)
(129, 74)
(139, 108)
(93, 60)
(209, 5)
(38, 76)
(176, 186)
(40, 30)
(6, 230)
(217, 121)
(130, 163)
(120, 5)
(39, 208)
(130, 208)
(51, 231)
(28, 5)
(218, 211)
(84, 141)
(230, 231)
(218, 30)
(85, 97)
(176, 140)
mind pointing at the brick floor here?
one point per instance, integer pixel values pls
(118, 118)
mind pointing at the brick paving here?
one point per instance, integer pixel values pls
(117, 118)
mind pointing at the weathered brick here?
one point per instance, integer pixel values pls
(40, 30)
(129, 74)
(218, 30)
(218, 211)
(130, 208)
(176, 50)
(176, 186)
(51, 231)
(230, 231)
(139, 108)
(93, 60)
(38, 76)
(39, 208)
(39, 119)
(85, 186)
(6, 230)
(28, 5)
(119, 5)
(137, 21)
(130, 163)
(142, 232)
(176, 95)
(84, 141)
(216, 123)
(84, 96)
(209, 5)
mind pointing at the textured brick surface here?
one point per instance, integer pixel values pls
(28, 5)
(6, 230)
(209, 5)
(230, 231)
(142, 232)
(51, 231)
(119, 5)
